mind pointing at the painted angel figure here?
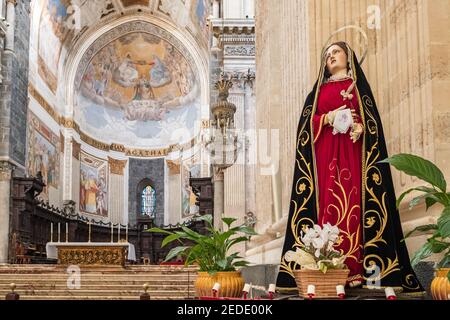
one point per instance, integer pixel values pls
(338, 179)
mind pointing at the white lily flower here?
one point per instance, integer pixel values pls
(324, 237)
(330, 245)
(318, 243)
(290, 256)
(317, 228)
(317, 253)
(327, 227)
(300, 256)
(334, 233)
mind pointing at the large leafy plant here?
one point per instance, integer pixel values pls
(209, 251)
(432, 194)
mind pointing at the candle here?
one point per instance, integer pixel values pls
(59, 232)
(390, 294)
(51, 232)
(118, 236)
(216, 289)
(272, 287)
(246, 290)
(89, 231)
(311, 291)
(112, 232)
(67, 232)
(340, 290)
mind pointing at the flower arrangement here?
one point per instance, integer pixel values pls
(318, 252)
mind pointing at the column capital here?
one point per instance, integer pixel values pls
(218, 174)
(13, 2)
(6, 170)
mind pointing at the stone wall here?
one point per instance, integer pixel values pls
(14, 89)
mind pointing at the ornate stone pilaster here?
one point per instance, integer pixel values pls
(116, 190)
(116, 166)
(6, 170)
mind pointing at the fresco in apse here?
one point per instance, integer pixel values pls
(43, 153)
(52, 32)
(138, 90)
(93, 185)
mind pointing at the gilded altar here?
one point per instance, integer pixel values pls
(91, 253)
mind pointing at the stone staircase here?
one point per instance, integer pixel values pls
(46, 282)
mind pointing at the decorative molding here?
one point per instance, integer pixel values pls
(147, 153)
(43, 103)
(242, 79)
(76, 149)
(116, 166)
(242, 50)
(69, 124)
(118, 147)
(94, 142)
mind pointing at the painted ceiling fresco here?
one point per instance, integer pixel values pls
(138, 90)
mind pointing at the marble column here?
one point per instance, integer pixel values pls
(6, 170)
(218, 197)
(11, 19)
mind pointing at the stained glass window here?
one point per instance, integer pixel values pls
(148, 201)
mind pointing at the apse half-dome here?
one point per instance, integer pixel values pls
(137, 85)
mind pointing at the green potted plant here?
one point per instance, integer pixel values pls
(435, 193)
(211, 253)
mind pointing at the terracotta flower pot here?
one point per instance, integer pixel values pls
(231, 284)
(440, 287)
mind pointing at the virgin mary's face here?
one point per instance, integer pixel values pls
(336, 59)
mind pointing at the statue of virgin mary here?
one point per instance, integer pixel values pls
(338, 179)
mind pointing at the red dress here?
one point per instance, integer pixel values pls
(338, 163)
